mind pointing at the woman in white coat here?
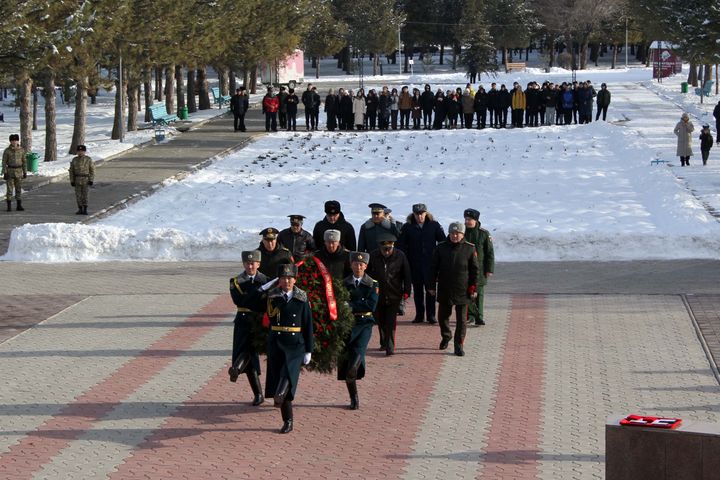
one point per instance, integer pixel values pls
(359, 108)
(683, 130)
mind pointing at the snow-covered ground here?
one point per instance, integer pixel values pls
(549, 193)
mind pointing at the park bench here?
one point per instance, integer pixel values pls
(160, 116)
(705, 90)
(220, 99)
(514, 66)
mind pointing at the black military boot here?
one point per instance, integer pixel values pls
(459, 350)
(9, 205)
(80, 210)
(238, 367)
(287, 416)
(352, 390)
(254, 380)
(19, 206)
(281, 392)
(84, 209)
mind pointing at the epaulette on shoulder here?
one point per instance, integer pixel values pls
(300, 295)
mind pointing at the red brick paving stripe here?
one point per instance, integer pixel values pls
(41, 445)
(217, 434)
(513, 440)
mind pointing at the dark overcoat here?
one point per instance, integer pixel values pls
(363, 300)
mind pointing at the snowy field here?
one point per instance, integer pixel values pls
(585, 192)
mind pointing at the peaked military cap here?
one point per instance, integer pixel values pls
(456, 227)
(386, 237)
(270, 233)
(387, 211)
(14, 136)
(332, 207)
(331, 235)
(251, 256)
(377, 207)
(296, 219)
(419, 208)
(287, 270)
(81, 147)
(471, 213)
(363, 257)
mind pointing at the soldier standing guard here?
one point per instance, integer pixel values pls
(273, 254)
(290, 342)
(296, 239)
(363, 300)
(14, 169)
(486, 262)
(82, 174)
(246, 295)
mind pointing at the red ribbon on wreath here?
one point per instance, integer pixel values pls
(329, 292)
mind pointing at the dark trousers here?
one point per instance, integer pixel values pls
(386, 319)
(567, 115)
(416, 123)
(394, 119)
(517, 117)
(424, 302)
(308, 119)
(239, 121)
(444, 312)
(405, 118)
(705, 155)
(282, 118)
(427, 118)
(685, 161)
(271, 121)
(468, 119)
(371, 119)
(501, 113)
(292, 121)
(482, 117)
(604, 113)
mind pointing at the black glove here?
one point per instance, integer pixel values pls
(72, 184)
(90, 182)
(24, 175)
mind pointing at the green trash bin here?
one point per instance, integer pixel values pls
(184, 113)
(32, 162)
(684, 87)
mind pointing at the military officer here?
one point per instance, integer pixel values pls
(334, 256)
(290, 342)
(244, 290)
(486, 261)
(296, 239)
(363, 300)
(377, 225)
(273, 254)
(454, 268)
(335, 220)
(14, 169)
(82, 174)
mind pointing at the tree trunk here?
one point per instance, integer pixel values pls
(92, 90)
(573, 57)
(179, 87)
(583, 54)
(78, 136)
(551, 52)
(317, 69)
(693, 75)
(409, 48)
(527, 54)
(191, 104)
(253, 79)
(246, 78)
(232, 84)
(50, 126)
(203, 91)
(170, 89)
(25, 84)
(147, 86)
(346, 60)
(375, 64)
(222, 80)
(442, 53)
(34, 107)
(707, 75)
(119, 109)
(158, 84)
(133, 106)
(615, 55)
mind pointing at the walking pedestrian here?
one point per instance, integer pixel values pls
(706, 143)
(335, 219)
(273, 253)
(296, 239)
(14, 170)
(683, 131)
(82, 175)
(482, 241)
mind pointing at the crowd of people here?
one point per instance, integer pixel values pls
(380, 268)
(390, 109)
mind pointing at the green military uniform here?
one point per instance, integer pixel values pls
(82, 174)
(14, 169)
(271, 260)
(482, 241)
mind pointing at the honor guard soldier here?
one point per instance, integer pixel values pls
(334, 256)
(363, 300)
(14, 169)
(377, 225)
(273, 254)
(296, 239)
(335, 220)
(82, 174)
(486, 262)
(246, 295)
(290, 342)
(454, 268)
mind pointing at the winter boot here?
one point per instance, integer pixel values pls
(19, 206)
(84, 209)
(287, 416)
(352, 390)
(254, 380)
(80, 210)
(281, 392)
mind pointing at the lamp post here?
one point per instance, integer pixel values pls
(399, 56)
(122, 104)
(626, 43)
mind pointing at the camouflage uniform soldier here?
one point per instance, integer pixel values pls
(482, 241)
(82, 174)
(14, 169)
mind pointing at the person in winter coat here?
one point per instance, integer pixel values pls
(504, 102)
(418, 238)
(549, 98)
(480, 106)
(390, 268)
(296, 239)
(427, 100)
(239, 105)
(384, 108)
(519, 103)
(683, 131)
(394, 108)
(271, 105)
(332, 106)
(585, 102)
(603, 101)
(716, 114)
(291, 106)
(282, 111)
(307, 101)
(332, 254)
(532, 98)
(372, 229)
(706, 143)
(494, 105)
(416, 108)
(359, 108)
(405, 107)
(482, 241)
(454, 269)
(568, 103)
(273, 253)
(468, 107)
(82, 175)
(335, 220)
(346, 110)
(371, 111)
(452, 106)
(440, 110)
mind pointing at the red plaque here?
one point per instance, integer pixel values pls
(652, 422)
